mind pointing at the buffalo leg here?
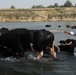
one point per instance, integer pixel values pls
(31, 45)
(40, 55)
(52, 52)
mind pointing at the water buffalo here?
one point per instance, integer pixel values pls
(42, 40)
(17, 40)
(3, 30)
(67, 45)
(21, 39)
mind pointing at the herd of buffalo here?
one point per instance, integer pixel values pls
(16, 42)
(68, 26)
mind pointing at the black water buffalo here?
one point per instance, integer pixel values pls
(17, 40)
(3, 30)
(67, 45)
(6, 52)
(43, 41)
(20, 40)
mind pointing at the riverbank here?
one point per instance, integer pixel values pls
(42, 14)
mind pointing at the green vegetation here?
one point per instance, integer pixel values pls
(12, 7)
(68, 3)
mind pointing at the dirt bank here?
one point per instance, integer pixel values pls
(44, 14)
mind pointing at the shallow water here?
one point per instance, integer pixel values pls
(44, 66)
